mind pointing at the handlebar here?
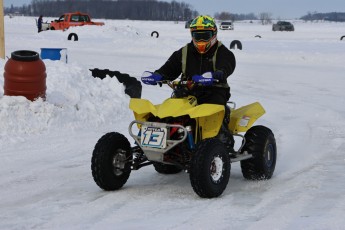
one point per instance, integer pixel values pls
(190, 84)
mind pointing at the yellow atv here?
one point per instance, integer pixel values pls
(181, 135)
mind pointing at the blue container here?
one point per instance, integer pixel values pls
(54, 54)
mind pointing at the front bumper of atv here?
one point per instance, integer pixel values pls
(155, 152)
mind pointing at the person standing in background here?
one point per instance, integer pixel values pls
(39, 23)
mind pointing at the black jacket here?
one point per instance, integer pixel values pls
(198, 64)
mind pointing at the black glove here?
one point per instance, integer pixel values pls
(219, 75)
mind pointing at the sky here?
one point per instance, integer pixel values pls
(46, 146)
(279, 8)
(283, 9)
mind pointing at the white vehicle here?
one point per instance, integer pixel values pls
(45, 26)
(226, 26)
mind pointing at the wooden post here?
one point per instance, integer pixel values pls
(2, 31)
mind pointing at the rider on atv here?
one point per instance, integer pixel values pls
(203, 54)
(190, 131)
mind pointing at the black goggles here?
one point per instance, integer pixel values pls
(202, 35)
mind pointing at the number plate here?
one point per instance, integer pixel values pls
(154, 137)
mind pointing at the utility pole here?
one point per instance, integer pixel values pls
(2, 31)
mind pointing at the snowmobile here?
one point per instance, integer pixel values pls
(180, 135)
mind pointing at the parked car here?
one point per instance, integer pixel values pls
(283, 26)
(226, 26)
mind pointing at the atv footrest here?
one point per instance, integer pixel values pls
(240, 157)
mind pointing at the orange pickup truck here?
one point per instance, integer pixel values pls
(72, 19)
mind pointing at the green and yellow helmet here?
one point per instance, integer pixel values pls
(204, 33)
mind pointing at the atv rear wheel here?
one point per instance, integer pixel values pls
(111, 161)
(210, 168)
(260, 142)
(166, 169)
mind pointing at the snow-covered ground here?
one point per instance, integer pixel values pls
(46, 146)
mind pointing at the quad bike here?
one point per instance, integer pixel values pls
(181, 135)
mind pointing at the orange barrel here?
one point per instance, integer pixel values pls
(25, 75)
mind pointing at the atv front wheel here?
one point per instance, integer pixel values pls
(210, 168)
(111, 161)
(260, 142)
(166, 169)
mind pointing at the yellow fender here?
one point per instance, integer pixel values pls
(242, 119)
(210, 118)
(142, 108)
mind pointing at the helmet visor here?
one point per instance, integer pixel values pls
(202, 35)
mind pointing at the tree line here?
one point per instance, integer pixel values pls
(333, 16)
(107, 9)
(235, 17)
(120, 9)
(142, 10)
(266, 17)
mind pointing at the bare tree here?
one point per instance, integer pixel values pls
(223, 16)
(234, 17)
(265, 18)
